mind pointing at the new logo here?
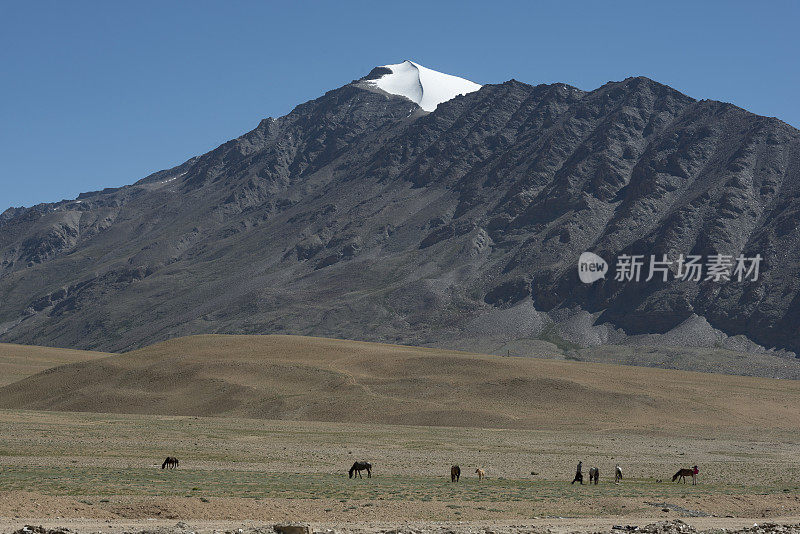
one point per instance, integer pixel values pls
(591, 267)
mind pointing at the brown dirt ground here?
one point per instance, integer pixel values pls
(69, 468)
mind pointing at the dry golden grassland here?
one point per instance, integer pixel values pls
(315, 379)
(100, 465)
(21, 361)
(267, 426)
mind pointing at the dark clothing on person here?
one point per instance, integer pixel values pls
(578, 474)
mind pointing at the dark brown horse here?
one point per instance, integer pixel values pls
(455, 473)
(170, 463)
(594, 475)
(683, 473)
(358, 467)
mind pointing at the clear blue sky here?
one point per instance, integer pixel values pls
(100, 94)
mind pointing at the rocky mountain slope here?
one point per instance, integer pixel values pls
(360, 215)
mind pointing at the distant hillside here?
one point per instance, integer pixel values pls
(360, 215)
(21, 361)
(304, 378)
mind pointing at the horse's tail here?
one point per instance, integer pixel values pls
(676, 475)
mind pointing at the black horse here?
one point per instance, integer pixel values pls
(170, 463)
(455, 473)
(358, 467)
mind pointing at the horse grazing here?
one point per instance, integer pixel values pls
(594, 475)
(481, 473)
(455, 473)
(617, 474)
(358, 467)
(170, 463)
(683, 473)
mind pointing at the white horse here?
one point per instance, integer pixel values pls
(618, 474)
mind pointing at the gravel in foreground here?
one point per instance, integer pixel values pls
(662, 527)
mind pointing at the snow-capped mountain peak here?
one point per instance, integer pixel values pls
(422, 85)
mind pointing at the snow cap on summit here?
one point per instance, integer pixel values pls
(426, 87)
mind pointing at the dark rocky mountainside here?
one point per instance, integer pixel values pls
(360, 216)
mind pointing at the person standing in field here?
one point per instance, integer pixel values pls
(578, 474)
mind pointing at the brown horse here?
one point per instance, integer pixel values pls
(455, 473)
(683, 473)
(170, 463)
(358, 467)
(481, 473)
(594, 475)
